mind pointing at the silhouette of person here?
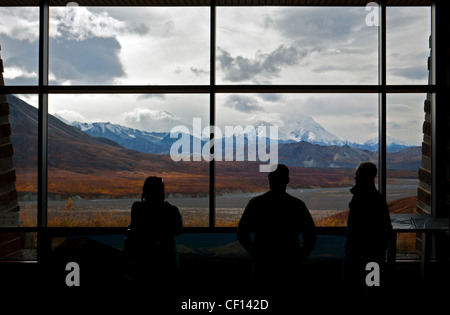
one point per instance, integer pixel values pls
(151, 247)
(368, 229)
(277, 220)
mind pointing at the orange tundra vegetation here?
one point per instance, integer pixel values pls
(399, 206)
(191, 179)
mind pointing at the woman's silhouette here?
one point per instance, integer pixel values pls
(368, 228)
(150, 244)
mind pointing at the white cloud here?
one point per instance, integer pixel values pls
(265, 65)
(20, 23)
(31, 99)
(151, 120)
(133, 111)
(141, 114)
(407, 42)
(70, 115)
(320, 46)
(78, 23)
(12, 73)
(340, 114)
(243, 103)
(174, 51)
(171, 46)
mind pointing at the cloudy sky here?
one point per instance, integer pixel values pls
(260, 45)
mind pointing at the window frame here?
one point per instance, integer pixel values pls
(43, 89)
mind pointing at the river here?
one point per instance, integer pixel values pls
(321, 202)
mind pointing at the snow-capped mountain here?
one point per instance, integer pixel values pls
(392, 145)
(71, 147)
(309, 130)
(152, 120)
(100, 129)
(301, 143)
(306, 130)
(303, 129)
(160, 142)
(143, 141)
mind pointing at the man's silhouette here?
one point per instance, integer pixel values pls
(277, 219)
(368, 228)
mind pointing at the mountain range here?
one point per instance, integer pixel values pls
(103, 145)
(304, 154)
(97, 167)
(71, 149)
(142, 141)
(161, 142)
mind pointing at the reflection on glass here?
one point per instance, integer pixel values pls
(407, 246)
(408, 30)
(129, 45)
(18, 246)
(316, 140)
(19, 39)
(406, 118)
(295, 45)
(102, 147)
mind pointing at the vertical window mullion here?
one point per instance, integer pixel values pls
(382, 99)
(43, 123)
(212, 113)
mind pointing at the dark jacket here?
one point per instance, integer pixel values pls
(277, 220)
(153, 229)
(369, 225)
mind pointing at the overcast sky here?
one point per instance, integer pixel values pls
(260, 45)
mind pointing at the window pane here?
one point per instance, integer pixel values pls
(296, 45)
(23, 119)
(102, 147)
(316, 140)
(408, 30)
(19, 40)
(129, 45)
(408, 162)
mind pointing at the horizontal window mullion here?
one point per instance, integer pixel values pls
(324, 89)
(129, 89)
(199, 89)
(183, 3)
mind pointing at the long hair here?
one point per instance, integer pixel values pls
(153, 189)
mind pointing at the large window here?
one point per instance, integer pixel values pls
(124, 87)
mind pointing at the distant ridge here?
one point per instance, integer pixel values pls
(292, 153)
(104, 146)
(142, 141)
(70, 148)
